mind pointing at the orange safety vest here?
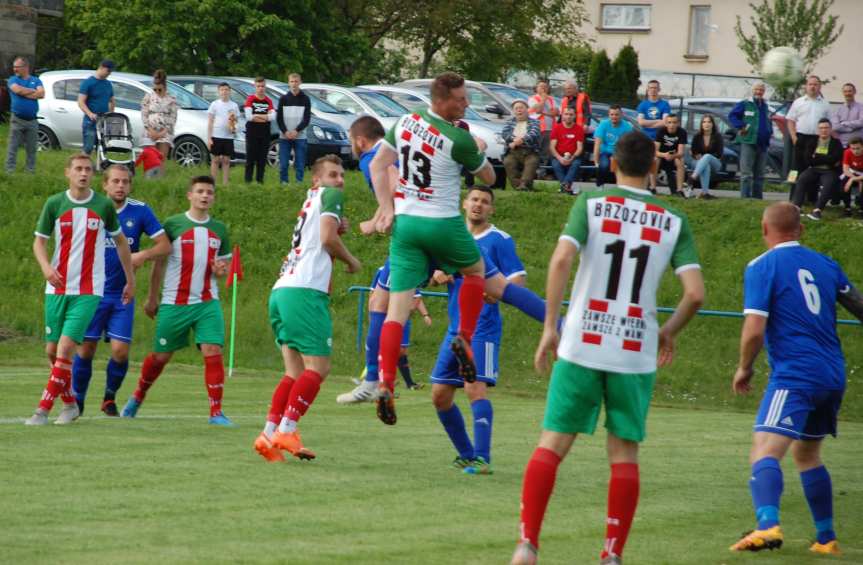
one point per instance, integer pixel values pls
(548, 105)
(580, 100)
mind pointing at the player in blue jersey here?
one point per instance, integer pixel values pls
(113, 319)
(790, 295)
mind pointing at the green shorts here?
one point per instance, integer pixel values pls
(576, 394)
(417, 242)
(175, 320)
(69, 315)
(300, 318)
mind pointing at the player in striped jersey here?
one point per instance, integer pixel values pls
(611, 337)
(79, 219)
(200, 249)
(299, 309)
(113, 319)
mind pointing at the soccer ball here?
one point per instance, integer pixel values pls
(782, 67)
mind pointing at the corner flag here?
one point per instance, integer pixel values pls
(235, 274)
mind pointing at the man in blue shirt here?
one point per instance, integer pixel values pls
(25, 91)
(113, 319)
(605, 140)
(651, 116)
(790, 295)
(96, 96)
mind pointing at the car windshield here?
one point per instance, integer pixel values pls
(185, 100)
(421, 98)
(317, 103)
(383, 106)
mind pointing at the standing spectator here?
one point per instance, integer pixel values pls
(579, 100)
(825, 166)
(651, 116)
(670, 143)
(706, 149)
(605, 140)
(852, 170)
(259, 113)
(25, 91)
(847, 119)
(95, 96)
(223, 116)
(803, 118)
(522, 138)
(751, 117)
(567, 146)
(293, 115)
(544, 110)
(159, 114)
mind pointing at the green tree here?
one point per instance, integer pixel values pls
(599, 81)
(625, 77)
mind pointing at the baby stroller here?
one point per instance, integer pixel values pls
(114, 141)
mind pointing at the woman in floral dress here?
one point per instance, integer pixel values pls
(159, 114)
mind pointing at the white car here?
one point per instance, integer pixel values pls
(60, 117)
(359, 101)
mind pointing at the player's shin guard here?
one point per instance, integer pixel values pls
(766, 487)
(818, 489)
(391, 341)
(373, 343)
(150, 371)
(539, 477)
(280, 400)
(302, 395)
(453, 423)
(82, 372)
(214, 376)
(115, 373)
(59, 381)
(470, 303)
(623, 488)
(525, 300)
(483, 414)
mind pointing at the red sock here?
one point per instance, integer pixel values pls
(59, 381)
(390, 346)
(214, 376)
(622, 501)
(302, 395)
(150, 371)
(470, 304)
(280, 399)
(535, 491)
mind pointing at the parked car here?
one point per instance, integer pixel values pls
(487, 103)
(60, 118)
(324, 137)
(717, 104)
(359, 101)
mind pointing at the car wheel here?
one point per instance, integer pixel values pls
(45, 139)
(190, 152)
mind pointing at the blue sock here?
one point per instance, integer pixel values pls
(766, 488)
(373, 342)
(525, 300)
(483, 415)
(82, 371)
(453, 423)
(115, 372)
(819, 494)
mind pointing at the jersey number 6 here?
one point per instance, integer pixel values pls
(810, 291)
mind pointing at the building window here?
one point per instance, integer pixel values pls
(625, 17)
(699, 31)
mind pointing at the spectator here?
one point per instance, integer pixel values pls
(605, 140)
(751, 117)
(803, 118)
(223, 115)
(651, 117)
(259, 113)
(706, 150)
(151, 160)
(293, 115)
(847, 119)
(544, 110)
(852, 170)
(95, 97)
(159, 114)
(670, 143)
(567, 145)
(522, 138)
(575, 99)
(25, 91)
(825, 166)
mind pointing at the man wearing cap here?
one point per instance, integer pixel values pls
(25, 91)
(95, 97)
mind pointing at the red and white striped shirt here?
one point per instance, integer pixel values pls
(189, 277)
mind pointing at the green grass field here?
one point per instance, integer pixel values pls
(167, 488)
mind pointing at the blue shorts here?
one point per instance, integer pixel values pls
(485, 355)
(113, 320)
(797, 413)
(382, 278)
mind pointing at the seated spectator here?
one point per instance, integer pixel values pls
(852, 170)
(706, 150)
(823, 170)
(670, 142)
(604, 141)
(567, 145)
(847, 119)
(522, 138)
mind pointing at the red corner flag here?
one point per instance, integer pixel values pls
(236, 266)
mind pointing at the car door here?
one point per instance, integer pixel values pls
(478, 100)
(340, 100)
(64, 115)
(127, 101)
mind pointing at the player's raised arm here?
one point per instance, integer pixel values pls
(381, 170)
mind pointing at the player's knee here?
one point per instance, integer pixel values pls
(442, 398)
(119, 354)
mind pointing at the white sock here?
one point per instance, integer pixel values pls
(287, 426)
(269, 428)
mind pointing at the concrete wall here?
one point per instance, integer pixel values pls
(18, 27)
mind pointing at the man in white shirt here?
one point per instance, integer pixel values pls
(803, 118)
(222, 118)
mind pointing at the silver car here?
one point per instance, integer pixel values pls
(359, 101)
(60, 118)
(492, 104)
